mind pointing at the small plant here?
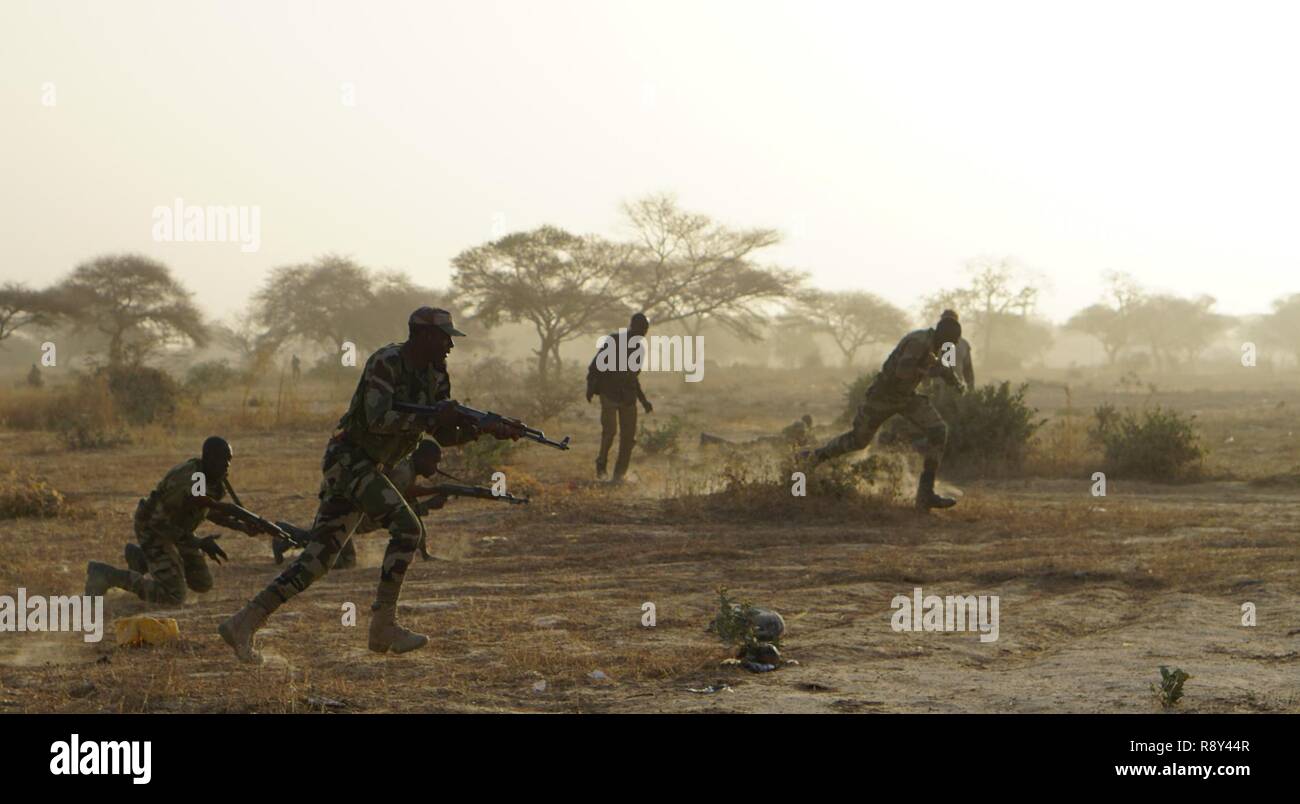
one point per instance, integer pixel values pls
(28, 496)
(1170, 689)
(477, 460)
(661, 440)
(1159, 444)
(734, 624)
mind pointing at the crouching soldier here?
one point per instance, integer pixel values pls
(169, 557)
(894, 394)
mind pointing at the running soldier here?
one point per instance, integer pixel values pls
(894, 394)
(423, 462)
(372, 436)
(169, 557)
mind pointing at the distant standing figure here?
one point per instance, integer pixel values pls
(619, 392)
(297, 368)
(34, 378)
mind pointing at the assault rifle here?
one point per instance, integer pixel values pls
(479, 419)
(296, 538)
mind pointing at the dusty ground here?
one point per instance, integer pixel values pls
(1096, 593)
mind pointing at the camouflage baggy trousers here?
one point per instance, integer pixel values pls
(352, 487)
(172, 568)
(876, 411)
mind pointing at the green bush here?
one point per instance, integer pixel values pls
(210, 375)
(141, 394)
(660, 440)
(855, 394)
(988, 425)
(1159, 444)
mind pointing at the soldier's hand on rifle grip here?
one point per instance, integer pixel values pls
(446, 415)
(648, 407)
(209, 546)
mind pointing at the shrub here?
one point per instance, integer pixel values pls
(855, 394)
(141, 394)
(477, 460)
(27, 496)
(988, 425)
(539, 400)
(87, 414)
(661, 440)
(1159, 444)
(210, 375)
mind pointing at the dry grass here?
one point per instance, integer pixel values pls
(1099, 590)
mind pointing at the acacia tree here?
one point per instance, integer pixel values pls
(1171, 326)
(1112, 320)
(685, 267)
(318, 302)
(562, 284)
(996, 307)
(21, 306)
(334, 299)
(1281, 328)
(853, 319)
(134, 302)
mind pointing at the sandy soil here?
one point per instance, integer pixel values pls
(540, 608)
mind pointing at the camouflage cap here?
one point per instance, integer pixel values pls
(434, 317)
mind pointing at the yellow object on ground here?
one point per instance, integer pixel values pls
(143, 630)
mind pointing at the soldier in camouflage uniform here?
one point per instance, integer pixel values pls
(894, 394)
(372, 436)
(423, 462)
(169, 557)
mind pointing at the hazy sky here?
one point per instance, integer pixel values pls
(889, 141)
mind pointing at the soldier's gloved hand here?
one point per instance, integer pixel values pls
(210, 548)
(436, 501)
(648, 407)
(589, 395)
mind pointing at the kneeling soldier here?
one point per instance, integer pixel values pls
(169, 557)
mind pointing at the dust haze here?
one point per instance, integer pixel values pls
(217, 212)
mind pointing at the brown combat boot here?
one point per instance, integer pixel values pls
(925, 496)
(101, 577)
(385, 633)
(238, 631)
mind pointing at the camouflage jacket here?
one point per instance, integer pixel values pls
(370, 422)
(914, 357)
(164, 510)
